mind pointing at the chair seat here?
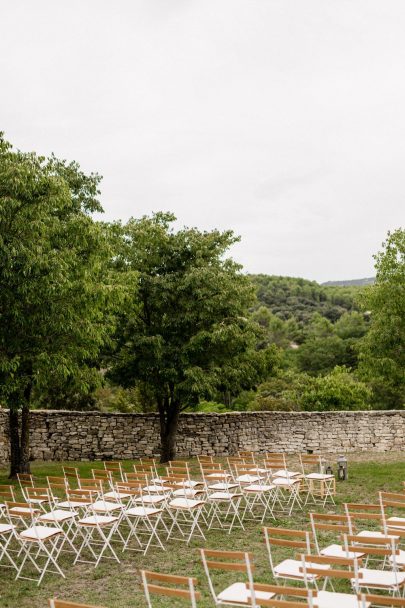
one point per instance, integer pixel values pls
(259, 471)
(73, 504)
(223, 486)
(239, 593)
(399, 559)
(372, 533)
(103, 506)
(285, 481)
(98, 520)
(338, 551)
(23, 511)
(188, 492)
(396, 522)
(319, 476)
(248, 478)
(117, 495)
(155, 499)
(329, 599)
(290, 568)
(59, 516)
(142, 511)
(380, 579)
(6, 528)
(40, 533)
(155, 489)
(185, 503)
(257, 487)
(38, 501)
(224, 496)
(190, 483)
(286, 473)
(218, 475)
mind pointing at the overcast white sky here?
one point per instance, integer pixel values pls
(281, 119)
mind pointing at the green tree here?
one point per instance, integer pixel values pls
(57, 297)
(338, 390)
(187, 335)
(382, 357)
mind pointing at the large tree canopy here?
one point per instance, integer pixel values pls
(56, 296)
(383, 348)
(187, 333)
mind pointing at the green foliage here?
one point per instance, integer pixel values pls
(275, 394)
(58, 293)
(383, 348)
(289, 297)
(338, 390)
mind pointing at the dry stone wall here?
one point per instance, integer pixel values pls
(63, 435)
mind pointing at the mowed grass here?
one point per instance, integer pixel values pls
(118, 585)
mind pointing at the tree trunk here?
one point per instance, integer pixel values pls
(15, 455)
(25, 440)
(169, 420)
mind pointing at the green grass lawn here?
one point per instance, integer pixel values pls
(118, 585)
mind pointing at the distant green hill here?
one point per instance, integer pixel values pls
(351, 282)
(289, 297)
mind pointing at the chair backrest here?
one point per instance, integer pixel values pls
(360, 515)
(114, 467)
(25, 480)
(7, 493)
(302, 598)
(235, 561)
(103, 475)
(55, 603)
(182, 470)
(382, 547)
(310, 462)
(71, 472)
(391, 503)
(152, 463)
(337, 567)
(180, 586)
(275, 462)
(203, 458)
(145, 469)
(91, 484)
(285, 537)
(328, 522)
(21, 511)
(216, 475)
(37, 493)
(141, 477)
(368, 599)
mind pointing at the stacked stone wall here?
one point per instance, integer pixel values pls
(65, 435)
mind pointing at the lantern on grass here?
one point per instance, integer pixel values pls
(329, 470)
(342, 468)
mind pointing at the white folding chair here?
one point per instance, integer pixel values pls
(288, 569)
(239, 593)
(318, 484)
(40, 545)
(143, 521)
(386, 549)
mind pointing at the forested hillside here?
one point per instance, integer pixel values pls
(297, 298)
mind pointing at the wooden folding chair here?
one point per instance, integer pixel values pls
(260, 495)
(143, 519)
(25, 480)
(185, 513)
(288, 483)
(183, 587)
(38, 542)
(238, 593)
(337, 568)
(288, 569)
(386, 549)
(318, 484)
(329, 523)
